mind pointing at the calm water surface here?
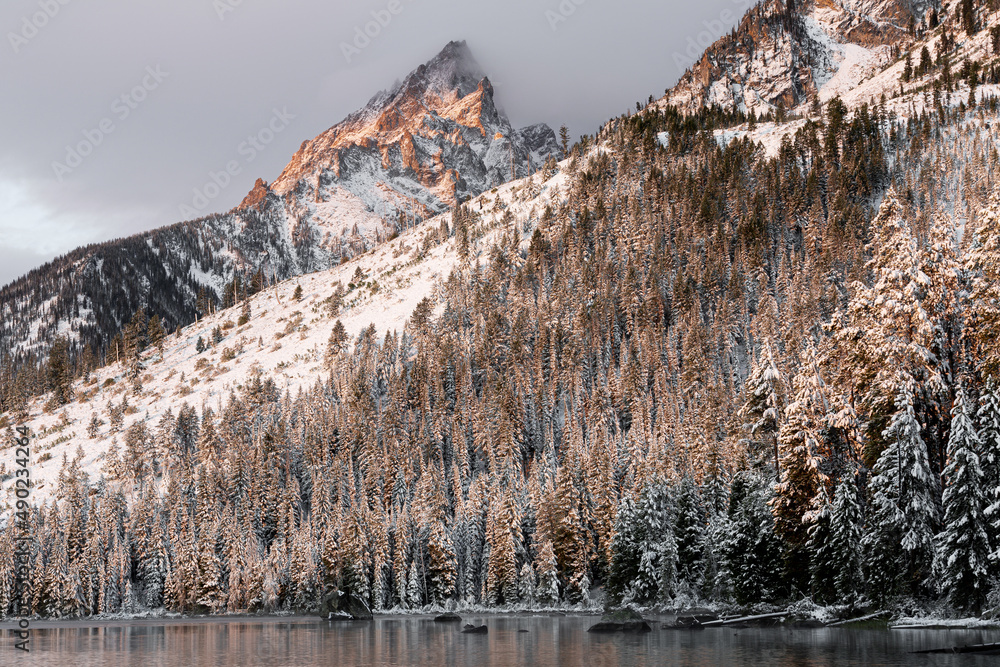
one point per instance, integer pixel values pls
(419, 641)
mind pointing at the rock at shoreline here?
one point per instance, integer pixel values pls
(470, 629)
(338, 616)
(339, 606)
(621, 620)
(615, 626)
(355, 607)
(605, 626)
(448, 617)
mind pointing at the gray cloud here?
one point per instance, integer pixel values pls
(76, 74)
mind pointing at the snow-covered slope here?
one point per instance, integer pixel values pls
(285, 339)
(412, 152)
(751, 72)
(786, 53)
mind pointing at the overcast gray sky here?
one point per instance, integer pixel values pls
(154, 96)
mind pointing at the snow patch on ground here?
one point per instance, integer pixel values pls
(768, 135)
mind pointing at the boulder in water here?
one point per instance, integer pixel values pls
(470, 629)
(621, 620)
(606, 626)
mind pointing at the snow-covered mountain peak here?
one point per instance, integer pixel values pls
(453, 71)
(785, 54)
(430, 142)
(422, 146)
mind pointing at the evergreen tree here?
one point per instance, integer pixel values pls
(94, 427)
(904, 511)
(983, 267)
(338, 339)
(752, 550)
(822, 555)
(59, 376)
(968, 12)
(800, 480)
(761, 412)
(963, 546)
(846, 540)
(414, 589)
(132, 353)
(526, 584)
(156, 333)
(441, 565)
(886, 336)
(988, 418)
(624, 568)
(690, 534)
(548, 575)
(656, 574)
(244, 313)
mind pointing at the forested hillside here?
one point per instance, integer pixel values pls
(709, 372)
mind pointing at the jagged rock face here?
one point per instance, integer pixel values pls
(433, 140)
(413, 151)
(784, 53)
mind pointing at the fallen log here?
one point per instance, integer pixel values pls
(745, 619)
(981, 649)
(860, 619)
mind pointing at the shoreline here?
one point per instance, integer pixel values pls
(150, 620)
(276, 619)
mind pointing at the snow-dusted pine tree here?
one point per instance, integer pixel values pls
(988, 421)
(656, 547)
(762, 409)
(963, 546)
(822, 556)
(548, 575)
(690, 528)
(845, 539)
(752, 550)
(886, 335)
(526, 584)
(800, 479)
(983, 266)
(624, 551)
(899, 544)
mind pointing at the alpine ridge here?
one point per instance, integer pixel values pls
(432, 141)
(785, 53)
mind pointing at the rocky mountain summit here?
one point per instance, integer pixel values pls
(430, 142)
(787, 52)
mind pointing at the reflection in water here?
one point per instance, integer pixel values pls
(419, 641)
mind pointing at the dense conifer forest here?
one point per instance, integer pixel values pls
(710, 376)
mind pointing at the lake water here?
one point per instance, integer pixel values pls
(549, 640)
